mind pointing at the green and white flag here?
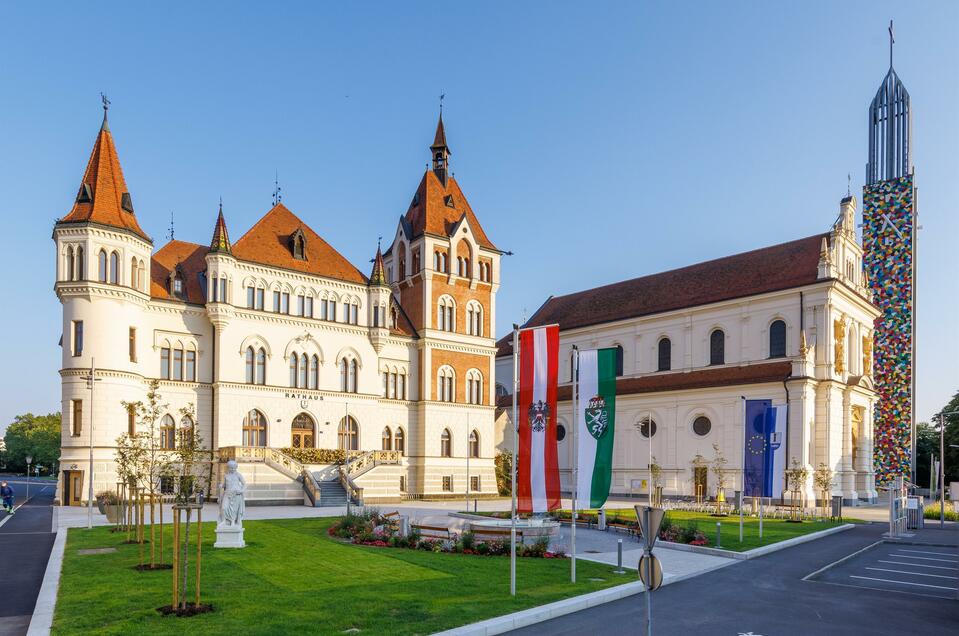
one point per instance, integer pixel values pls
(595, 425)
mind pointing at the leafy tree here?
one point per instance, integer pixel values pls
(951, 437)
(36, 435)
(927, 444)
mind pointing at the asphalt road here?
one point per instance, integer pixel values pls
(26, 539)
(767, 596)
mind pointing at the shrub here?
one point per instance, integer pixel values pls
(689, 532)
(468, 540)
(482, 548)
(316, 455)
(107, 498)
(538, 548)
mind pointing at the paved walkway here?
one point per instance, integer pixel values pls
(25, 542)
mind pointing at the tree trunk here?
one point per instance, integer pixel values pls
(185, 560)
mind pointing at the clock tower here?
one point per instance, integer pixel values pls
(889, 232)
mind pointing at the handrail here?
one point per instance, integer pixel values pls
(310, 487)
(370, 459)
(353, 492)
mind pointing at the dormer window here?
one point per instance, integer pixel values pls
(298, 245)
(176, 283)
(85, 195)
(126, 202)
(448, 201)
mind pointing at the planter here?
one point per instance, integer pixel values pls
(100, 506)
(112, 512)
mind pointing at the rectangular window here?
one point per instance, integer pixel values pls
(77, 338)
(308, 310)
(250, 297)
(376, 316)
(474, 483)
(402, 388)
(260, 299)
(332, 306)
(393, 385)
(301, 305)
(178, 364)
(190, 366)
(448, 483)
(214, 288)
(222, 296)
(165, 363)
(133, 344)
(166, 485)
(354, 317)
(322, 310)
(76, 423)
(346, 313)
(276, 301)
(285, 303)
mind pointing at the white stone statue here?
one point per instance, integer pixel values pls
(232, 505)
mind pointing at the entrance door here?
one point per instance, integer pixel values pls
(700, 475)
(73, 487)
(303, 432)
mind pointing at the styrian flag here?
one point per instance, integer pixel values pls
(595, 425)
(537, 487)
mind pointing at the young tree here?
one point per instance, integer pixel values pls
(720, 471)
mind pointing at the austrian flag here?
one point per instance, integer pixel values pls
(537, 487)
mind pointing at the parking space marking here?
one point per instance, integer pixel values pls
(948, 554)
(938, 576)
(906, 556)
(871, 578)
(918, 565)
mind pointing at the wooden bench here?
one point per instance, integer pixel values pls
(392, 519)
(433, 532)
(484, 534)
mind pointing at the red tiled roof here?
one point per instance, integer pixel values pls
(268, 243)
(192, 260)
(104, 179)
(784, 266)
(429, 212)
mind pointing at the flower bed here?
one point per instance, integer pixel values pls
(316, 455)
(372, 529)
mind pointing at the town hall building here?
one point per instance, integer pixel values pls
(278, 342)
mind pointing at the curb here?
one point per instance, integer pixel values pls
(534, 615)
(42, 619)
(755, 552)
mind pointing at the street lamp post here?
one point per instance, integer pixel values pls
(91, 379)
(942, 466)
(29, 459)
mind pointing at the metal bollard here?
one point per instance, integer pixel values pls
(718, 543)
(619, 558)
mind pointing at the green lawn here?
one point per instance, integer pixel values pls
(292, 578)
(774, 530)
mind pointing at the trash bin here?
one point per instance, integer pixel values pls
(914, 513)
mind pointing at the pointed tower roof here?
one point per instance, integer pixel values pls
(439, 140)
(103, 196)
(437, 207)
(221, 239)
(378, 275)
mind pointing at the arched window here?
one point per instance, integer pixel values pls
(401, 386)
(250, 378)
(446, 443)
(474, 387)
(446, 314)
(445, 384)
(304, 371)
(399, 442)
(474, 444)
(717, 347)
(474, 319)
(303, 431)
(167, 433)
(436, 261)
(777, 339)
(186, 431)
(665, 355)
(353, 371)
(69, 263)
(348, 434)
(114, 268)
(102, 266)
(254, 428)
(81, 264)
(261, 366)
(294, 361)
(460, 270)
(619, 360)
(344, 375)
(314, 371)
(134, 274)
(387, 438)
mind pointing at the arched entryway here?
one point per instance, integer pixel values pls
(304, 432)
(348, 434)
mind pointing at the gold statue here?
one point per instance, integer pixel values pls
(839, 335)
(867, 355)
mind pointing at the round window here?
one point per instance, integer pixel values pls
(702, 426)
(560, 432)
(644, 427)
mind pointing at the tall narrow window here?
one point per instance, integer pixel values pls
(189, 373)
(102, 266)
(114, 268)
(167, 433)
(249, 365)
(260, 298)
(474, 444)
(344, 375)
(69, 263)
(717, 347)
(619, 360)
(261, 366)
(81, 264)
(332, 307)
(254, 429)
(387, 437)
(399, 442)
(135, 282)
(165, 363)
(777, 339)
(214, 284)
(132, 341)
(402, 387)
(77, 338)
(314, 371)
(348, 434)
(665, 355)
(276, 301)
(250, 297)
(186, 431)
(285, 303)
(308, 307)
(353, 370)
(323, 303)
(393, 385)
(178, 364)
(300, 305)
(304, 371)
(446, 443)
(294, 361)
(76, 423)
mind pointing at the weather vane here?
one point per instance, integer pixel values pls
(106, 102)
(848, 184)
(277, 196)
(171, 224)
(442, 95)
(892, 40)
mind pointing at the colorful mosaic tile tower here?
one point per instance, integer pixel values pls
(889, 222)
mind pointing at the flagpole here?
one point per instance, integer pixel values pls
(512, 525)
(742, 477)
(649, 466)
(575, 466)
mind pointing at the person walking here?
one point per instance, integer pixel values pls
(6, 493)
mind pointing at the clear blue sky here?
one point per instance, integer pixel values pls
(667, 133)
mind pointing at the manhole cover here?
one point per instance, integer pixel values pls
(97, 551)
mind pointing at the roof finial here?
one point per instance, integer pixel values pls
(171, 225)
(106, 107)
(848, 185)
(442, 95)
(277, 196)
(892, 40)
(379, 240)
(221, 204)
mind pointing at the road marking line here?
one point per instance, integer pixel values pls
(948, 554)
(917, 565)
(906, 556)
(885, 590)
(812, 575)
(870, 578)
(938, 576)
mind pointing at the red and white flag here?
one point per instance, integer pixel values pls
(538, 481)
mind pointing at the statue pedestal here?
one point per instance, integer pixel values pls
(229, 536)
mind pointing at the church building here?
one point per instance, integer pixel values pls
(279, 342)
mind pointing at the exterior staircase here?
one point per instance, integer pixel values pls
(332, 493)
